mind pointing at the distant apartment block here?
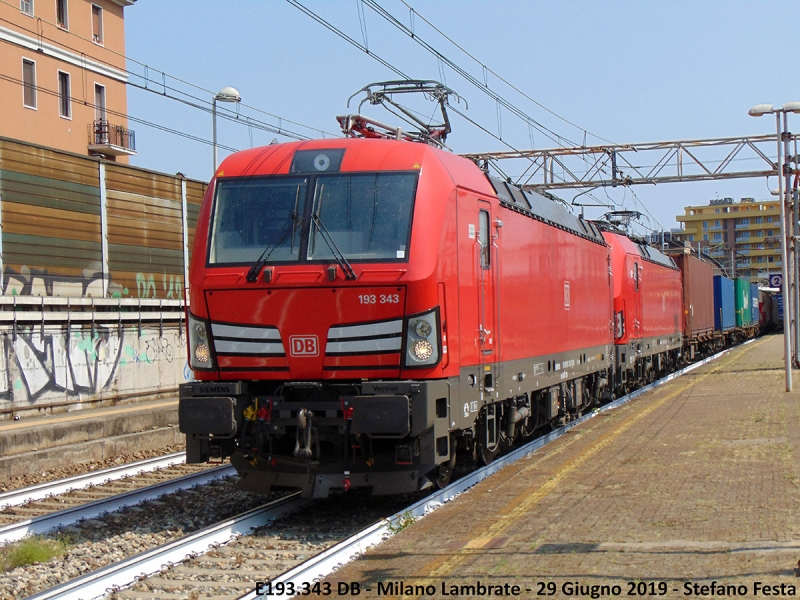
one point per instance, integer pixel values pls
(743, 235)
(63, 80)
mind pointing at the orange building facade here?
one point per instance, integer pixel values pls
(63, 78)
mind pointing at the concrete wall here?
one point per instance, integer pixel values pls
(61, 366)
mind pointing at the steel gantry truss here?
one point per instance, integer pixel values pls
(629, 164)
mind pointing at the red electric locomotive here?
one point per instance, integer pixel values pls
(648, 311)
(362, 310)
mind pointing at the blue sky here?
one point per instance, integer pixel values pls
(624, 71)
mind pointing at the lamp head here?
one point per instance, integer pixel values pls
(228, 94)
(759, 110)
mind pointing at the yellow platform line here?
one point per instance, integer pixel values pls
(525, 501)
(82, 415)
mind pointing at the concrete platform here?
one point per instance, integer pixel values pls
(693, 483)
(45, 442)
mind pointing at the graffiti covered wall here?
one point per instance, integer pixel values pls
(45, 365)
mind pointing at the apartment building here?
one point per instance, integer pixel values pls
(743, 236)
(62, 75)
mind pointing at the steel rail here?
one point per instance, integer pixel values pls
(121, 574)
(68, 516)
(79, 482)
(322, 565)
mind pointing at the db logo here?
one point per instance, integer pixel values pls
(304, 345)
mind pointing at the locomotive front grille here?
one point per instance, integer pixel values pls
(241, 340)
(367, 346)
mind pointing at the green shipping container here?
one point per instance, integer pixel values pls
(743, 306)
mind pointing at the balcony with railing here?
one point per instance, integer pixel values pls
(114, 140)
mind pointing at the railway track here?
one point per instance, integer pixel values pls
(79, 482)
(290, 543)
(100, 500)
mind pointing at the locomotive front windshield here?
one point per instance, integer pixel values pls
(360, 216)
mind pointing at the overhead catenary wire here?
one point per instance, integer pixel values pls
(384, 62)
(391, 19)
(346, 37)
(486, 70)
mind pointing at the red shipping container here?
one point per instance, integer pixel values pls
(698, 295)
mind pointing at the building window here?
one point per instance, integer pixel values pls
(769, 219)
(99, 102)
(705, 237)
(64, 95)
(716, 210)
(716, 223)
(705, 225)
(28, 83)
(769, 232)
(61, 14)
(691, 238)
(26, 6)
(759, 220)
(97, 24)
(717, 237)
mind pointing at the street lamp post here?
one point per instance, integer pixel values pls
(226, 94)
(778, 109)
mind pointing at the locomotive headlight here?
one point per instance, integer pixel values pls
(199, 347)
(422, 339)
(422, 350)
(202, 354)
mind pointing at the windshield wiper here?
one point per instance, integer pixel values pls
(349, 274)
(255, 270)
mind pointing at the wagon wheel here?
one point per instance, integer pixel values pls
(486, 456)
(444, 472)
